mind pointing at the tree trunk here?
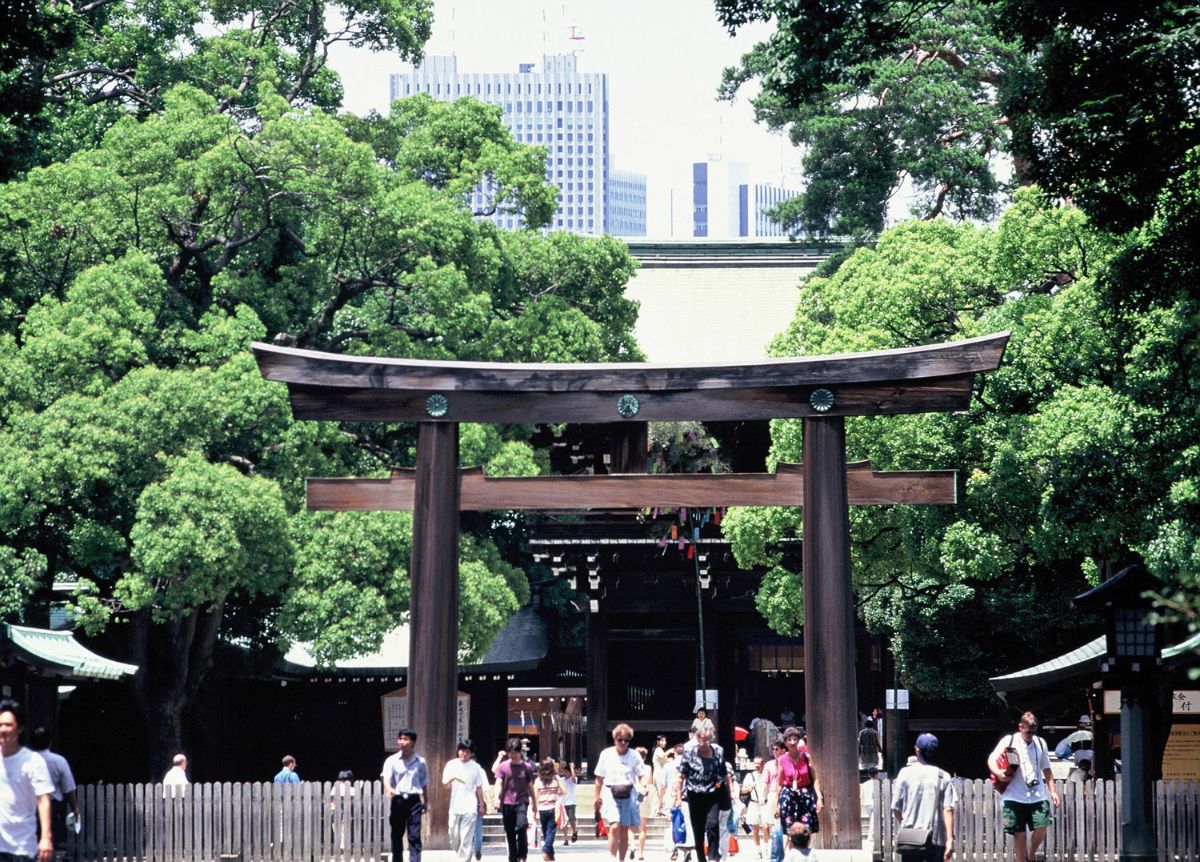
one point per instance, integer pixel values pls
(173, 660)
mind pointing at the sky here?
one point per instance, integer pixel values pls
(664, 60)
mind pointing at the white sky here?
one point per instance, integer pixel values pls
(663, 59)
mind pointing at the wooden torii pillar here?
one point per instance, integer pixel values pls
(819, 390)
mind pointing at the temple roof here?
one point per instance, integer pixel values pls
(57, 653)
(520, 645)
(1080, 662)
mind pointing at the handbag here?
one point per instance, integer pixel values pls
(1001, 784)
(910, 839)
(913, 838)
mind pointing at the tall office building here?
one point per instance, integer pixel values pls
(626, 197)
(725, 204)
(555, 106)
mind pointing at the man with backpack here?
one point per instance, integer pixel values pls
(1020, 764)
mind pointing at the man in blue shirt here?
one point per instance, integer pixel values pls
(288, 775)
(405, 777)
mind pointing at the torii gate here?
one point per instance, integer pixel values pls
(820, 390)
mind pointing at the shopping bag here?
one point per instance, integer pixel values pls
(560, 815)
(733, 844)
(601, 829)
(678, 827)
(776, 843)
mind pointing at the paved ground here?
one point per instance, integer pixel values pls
(597, 851)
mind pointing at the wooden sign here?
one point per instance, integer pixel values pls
(1181, 758)
(1184, 702)
(394, 706)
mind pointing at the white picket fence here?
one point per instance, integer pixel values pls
(306, 822)
(316, 822)
(1086, 828)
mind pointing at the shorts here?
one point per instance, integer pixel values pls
(758, 815)
(1019, 816)
(647, 805)
(622, 812)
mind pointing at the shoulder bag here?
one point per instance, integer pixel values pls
(1001, 784)
(912, 839)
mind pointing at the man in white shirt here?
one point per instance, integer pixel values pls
(619, 782)
(1030, 786)
(25, 789)
(405, 776)
(466, 780)
(175, 782)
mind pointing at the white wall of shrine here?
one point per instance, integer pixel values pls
(716, 301)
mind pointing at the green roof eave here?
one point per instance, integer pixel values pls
(1083, 661)
(59, 653)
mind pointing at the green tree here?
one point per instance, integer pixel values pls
(879, 92)
(142, 454)
(85, 65)
(1105, 114)
(1073, 456)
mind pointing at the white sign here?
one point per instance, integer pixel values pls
(705, 698)
(395, 716)
(895, 698)
(1182, 702)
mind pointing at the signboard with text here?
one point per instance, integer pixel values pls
(1181, 758)
(1185, 702)
(395, 715)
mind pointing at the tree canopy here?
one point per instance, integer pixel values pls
(877, 93)
(218, 197)
(1095, 102)
(1074, 456)
(1078, 453)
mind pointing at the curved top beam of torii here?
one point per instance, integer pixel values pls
(906, 380)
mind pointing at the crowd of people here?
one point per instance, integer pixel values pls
(693, 783)
(778, 801)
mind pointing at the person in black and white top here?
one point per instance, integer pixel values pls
(704, 776)
(1030, 786)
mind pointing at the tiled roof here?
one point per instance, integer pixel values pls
(62, 654)
(524, 642)
(1086, 657)
(520, 645)
(1078, 662)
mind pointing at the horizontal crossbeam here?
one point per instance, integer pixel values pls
(931, 378)
(477, 492)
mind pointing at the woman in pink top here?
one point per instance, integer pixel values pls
(800, 798)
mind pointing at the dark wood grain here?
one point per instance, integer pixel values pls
(478, 493)
(830, 686)
(291, 365)
(597, 684)
(934, 394)
(433, 630)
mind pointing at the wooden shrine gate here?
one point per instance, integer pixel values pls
(821, 391)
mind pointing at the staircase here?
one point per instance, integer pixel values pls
(658, 829)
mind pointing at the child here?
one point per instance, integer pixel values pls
(798, 849)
